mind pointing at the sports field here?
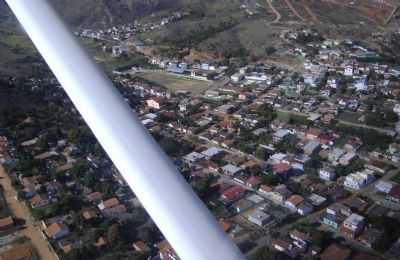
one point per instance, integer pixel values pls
(175, 83)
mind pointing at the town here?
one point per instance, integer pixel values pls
(297, 163)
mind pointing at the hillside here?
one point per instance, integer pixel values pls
(223, 28)
(96, 13)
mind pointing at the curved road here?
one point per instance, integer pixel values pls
(21, 211)
(294, 11)
(278, 15)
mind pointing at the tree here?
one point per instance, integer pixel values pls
(391, 116)
(264, 253)
(270, 179)
(374, 119)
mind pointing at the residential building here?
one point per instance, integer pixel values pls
(327, 174)
(259, 218)
(359, 180)
(384, 186)
(353, 225)
(294, 201)
(57, 231)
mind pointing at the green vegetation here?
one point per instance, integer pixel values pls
(354, 166)
(264, 253)
(391, 230)
(175, 83)
(372, 139)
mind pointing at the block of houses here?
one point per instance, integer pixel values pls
(359, 180)
(57, 231)
(259, 218)
(353, 225)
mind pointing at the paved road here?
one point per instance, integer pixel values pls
(21, 211)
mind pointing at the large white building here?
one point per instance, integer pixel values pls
(359, 180)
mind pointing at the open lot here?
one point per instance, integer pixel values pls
(175, 83)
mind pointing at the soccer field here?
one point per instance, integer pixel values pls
(175, 83)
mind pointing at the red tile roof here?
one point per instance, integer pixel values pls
(233, 193)
(295, 200)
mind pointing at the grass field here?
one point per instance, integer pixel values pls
(175, 83)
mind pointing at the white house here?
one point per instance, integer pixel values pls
(359, 180)
(384, 186)
(327, 174)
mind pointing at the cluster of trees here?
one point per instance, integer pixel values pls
(371, 138)
(381, 118)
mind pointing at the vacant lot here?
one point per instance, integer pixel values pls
(175, 83)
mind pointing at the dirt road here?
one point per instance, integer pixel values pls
(21, 211)
(278, 15)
